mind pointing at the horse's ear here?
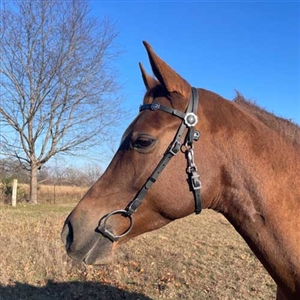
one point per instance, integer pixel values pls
(149, 81)
(166, 75)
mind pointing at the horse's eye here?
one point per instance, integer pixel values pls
(143, 143)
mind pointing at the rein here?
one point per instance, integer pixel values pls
(189, 120)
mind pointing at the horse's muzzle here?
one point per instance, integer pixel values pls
(92, 247)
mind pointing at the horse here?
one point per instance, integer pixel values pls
(190, 149)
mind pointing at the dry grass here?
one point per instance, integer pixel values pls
(52, 193)
(60, 193)
(199, 257)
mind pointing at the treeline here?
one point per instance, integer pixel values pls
(61, 174)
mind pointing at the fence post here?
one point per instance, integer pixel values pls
(14, 193)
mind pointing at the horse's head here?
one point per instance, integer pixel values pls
(107, 215)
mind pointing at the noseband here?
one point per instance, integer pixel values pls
(189, 120)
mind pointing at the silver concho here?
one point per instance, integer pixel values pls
(155, 106)
(190, 119)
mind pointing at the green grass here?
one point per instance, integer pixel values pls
(199, 257)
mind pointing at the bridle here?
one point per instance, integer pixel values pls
(189, 120)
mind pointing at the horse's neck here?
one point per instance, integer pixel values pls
(261, 198)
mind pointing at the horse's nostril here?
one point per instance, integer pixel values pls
(67, 234)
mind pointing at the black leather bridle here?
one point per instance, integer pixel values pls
(189, 120)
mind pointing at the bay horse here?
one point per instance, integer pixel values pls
(248, 159)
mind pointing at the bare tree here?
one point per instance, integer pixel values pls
(57, 81)
(93, 173)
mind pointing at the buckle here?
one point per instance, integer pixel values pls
(195, 180)
(175, 147)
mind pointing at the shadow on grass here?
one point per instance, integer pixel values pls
(74, 290)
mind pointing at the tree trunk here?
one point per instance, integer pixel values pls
(33, 185)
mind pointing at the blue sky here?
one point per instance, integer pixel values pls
(253, 47)
(222, 46)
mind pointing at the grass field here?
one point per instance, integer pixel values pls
(47, 193)
(199, 257)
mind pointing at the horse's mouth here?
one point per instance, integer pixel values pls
(100, 254)
(94, 252)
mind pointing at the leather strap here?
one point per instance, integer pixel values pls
(173, 149)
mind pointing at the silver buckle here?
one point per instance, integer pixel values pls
(196, 183)
(174, 149)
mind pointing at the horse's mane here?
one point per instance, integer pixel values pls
(287, 129)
